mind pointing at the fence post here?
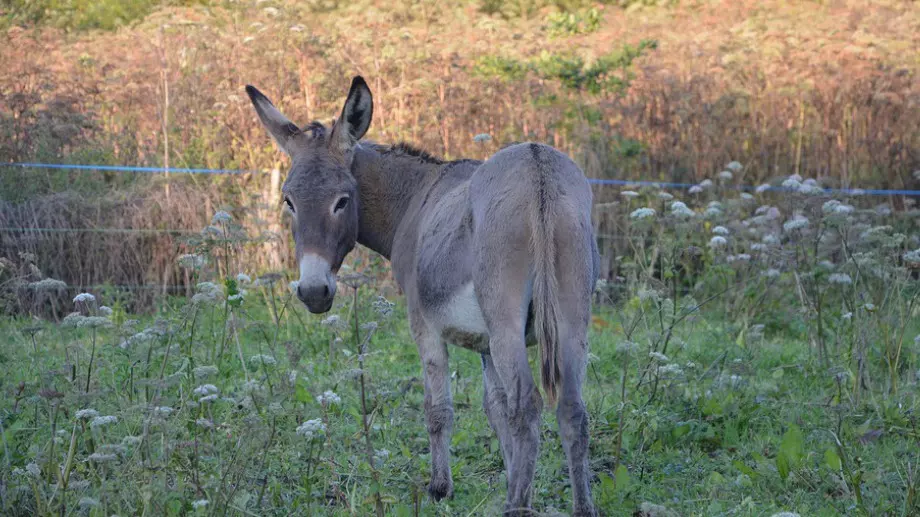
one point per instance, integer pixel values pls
(273, 199)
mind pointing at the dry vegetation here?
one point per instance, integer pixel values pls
(824, 89)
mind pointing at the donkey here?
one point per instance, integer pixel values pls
(491, 256)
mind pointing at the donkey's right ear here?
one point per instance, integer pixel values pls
(285, 132)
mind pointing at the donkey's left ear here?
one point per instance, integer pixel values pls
(356, 116)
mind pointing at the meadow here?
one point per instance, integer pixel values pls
(759, 356)
(755, 344)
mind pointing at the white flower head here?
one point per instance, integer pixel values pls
(262, 359)
(311, 428)
(243, 278)
(762, 188)
(629, 193)
(680, 210)
(718, 242)
(734, 166)
(84, 298)
(293, 286)
(746, 196)
(840, 278)
(912, 258)
(771, 273)
(726, 175)
(720, 230)
(664, 196)
(482, 137)
(706, 183)
(221, 217)
(329, 398)
(792, 184)
(86, 414)
(201, 503)
(191, 261)
(642, 213)
(203, 372)
(798, 222)
(657, 356)
(206, 389)
(101, 421)
(695, 189)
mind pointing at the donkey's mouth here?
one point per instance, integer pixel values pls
(318, 307)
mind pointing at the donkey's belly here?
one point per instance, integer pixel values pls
(462, 323)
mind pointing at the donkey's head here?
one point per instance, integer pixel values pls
(320, 191)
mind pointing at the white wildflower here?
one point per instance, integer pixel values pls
(869, 307)
(101, 457)
(84, 297)
(271, 11)
(626, 347)
(720, 230)
(770, 239)
(334, 321)
(131, 441)
(204, 423)
(796, 223)
(208, 398)
(203, 372)
(482, 137)
(657, 356)
(383, 306)
(695, 189)
(328, 398)
(220, 217)
(718, 242)
(381, 455)
(726, 175)
(670, 369)
(785, 514)
(840, 278)
(792, 184)
(664, 196)
(243, 278)
(191, 261)
(311, 428)
(912, 258)
(90, 322)
(706, 183)
(642, 213)
(746, 196)
(86, 414)
(47, 284)
(206, 389)
(762, 188)
(679, 209)
(162, 411)
(106, 311)
(629, 193)
(734, 166)
(261, 359)
(771, 273)
(101, 421)
(201, 503)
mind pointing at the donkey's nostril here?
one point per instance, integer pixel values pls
(325, 291)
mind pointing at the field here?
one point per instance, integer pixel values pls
(755, 344)
(775, 369)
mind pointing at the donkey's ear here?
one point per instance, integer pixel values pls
(356, 116)
(285, 132)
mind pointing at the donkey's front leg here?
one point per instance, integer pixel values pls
(439, 409)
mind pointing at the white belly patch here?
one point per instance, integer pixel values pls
(462, 312)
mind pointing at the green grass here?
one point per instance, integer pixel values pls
(748, 429)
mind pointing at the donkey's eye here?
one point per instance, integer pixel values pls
(287, 201)
(340, 204)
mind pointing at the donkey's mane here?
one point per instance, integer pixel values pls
(404, 149)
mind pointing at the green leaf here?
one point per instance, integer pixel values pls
(791, 451)
(745, 469)
(622, 479)
(832, 460)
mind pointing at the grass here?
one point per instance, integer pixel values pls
(740, 429)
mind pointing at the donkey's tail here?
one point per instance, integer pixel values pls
(545, 300)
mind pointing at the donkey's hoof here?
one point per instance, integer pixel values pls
(440, 489)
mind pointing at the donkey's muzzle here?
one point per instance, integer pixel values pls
(318, 298)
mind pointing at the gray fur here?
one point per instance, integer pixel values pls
(490, 255)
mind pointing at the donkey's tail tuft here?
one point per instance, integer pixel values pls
(545, 300)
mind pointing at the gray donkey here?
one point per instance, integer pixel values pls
(491, 256)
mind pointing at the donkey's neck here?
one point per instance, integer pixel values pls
(387, 182)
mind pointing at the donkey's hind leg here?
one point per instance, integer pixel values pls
(502, 290)
(573, 418)
(495, 403)
(439, 409)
